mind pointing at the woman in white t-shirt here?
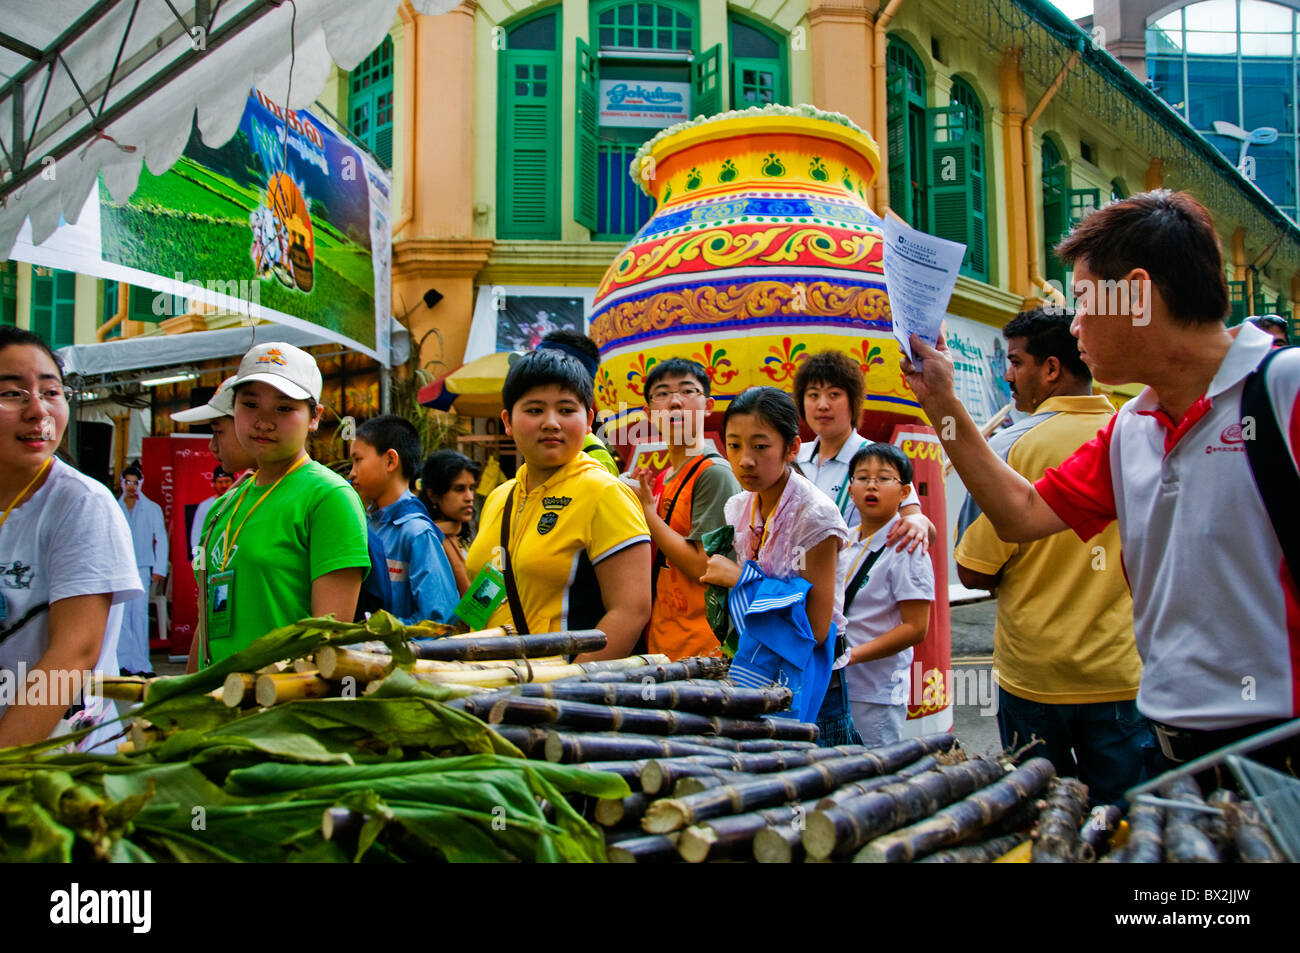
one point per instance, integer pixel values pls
(66, 560)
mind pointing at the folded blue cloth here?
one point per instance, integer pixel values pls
(776, 644)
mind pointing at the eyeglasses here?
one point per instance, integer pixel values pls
(877, 481)
(685, 392)
(16, 398)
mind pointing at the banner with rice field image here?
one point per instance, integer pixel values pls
(286, 221)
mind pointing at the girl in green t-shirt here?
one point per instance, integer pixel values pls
(291, 542)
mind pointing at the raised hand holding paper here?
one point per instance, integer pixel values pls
(920, 273)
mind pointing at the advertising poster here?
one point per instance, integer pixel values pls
(522, 322)
(287, 221)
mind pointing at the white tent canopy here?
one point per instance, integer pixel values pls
(95, 87)
(169, 350)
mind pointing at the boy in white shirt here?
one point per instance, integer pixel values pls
(887, 596)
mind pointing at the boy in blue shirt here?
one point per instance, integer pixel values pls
(386, 456)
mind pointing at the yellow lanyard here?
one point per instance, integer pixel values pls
(866, 551)
(39, 473)
(230, 540)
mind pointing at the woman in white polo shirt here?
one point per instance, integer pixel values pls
(66, 559)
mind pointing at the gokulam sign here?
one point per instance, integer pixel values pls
(643, 105)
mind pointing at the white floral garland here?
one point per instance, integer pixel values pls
(803, 111)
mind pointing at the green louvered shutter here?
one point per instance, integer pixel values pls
(707, 83)
(1082, 203)
(1055, 220)
(586, 166)
(370, 101)
(977, 256)
(1237, 302)
(529, 151)
(896, 143)
(54, 305)
(8, 293)
(948, 179)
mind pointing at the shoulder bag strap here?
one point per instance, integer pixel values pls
(859, 579)
(1271, 464)
(661, 561)
(512, 591)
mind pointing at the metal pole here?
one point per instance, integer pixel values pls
(385, 389)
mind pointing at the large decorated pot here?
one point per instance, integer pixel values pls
(761, 251)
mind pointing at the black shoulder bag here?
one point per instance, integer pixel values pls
(512, 591)
(1272, 466)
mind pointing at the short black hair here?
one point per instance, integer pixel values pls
(678, 367)
(10, 336)
(831, 369)
(133, 470)
(769, 404)
(885, 453)
(1047, 334)
(545, 367)
(391, 432)
(220, 471)
(576, 345)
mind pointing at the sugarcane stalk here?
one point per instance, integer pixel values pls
(1056, 839)
(571, 748)
(849, 791)
(1146, 824)
(530, 741)
(289, 686)
(660, 776)
(715, 699)
(612, 811)
(779, 844)
(1186, 838)
(122, 688)
(239, 689)
(703, 782)
(305, 664)
(846, 826)
(629, 771)
(1222, 827)
(1252, 840)
(585, 716)
(1096, 833)
(511, 647)
(962, 820)
(984, 852)
(798, 784)
(661, 670)
(657, 848)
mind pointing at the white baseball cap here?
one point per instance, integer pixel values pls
(290, 370)
(220, 404)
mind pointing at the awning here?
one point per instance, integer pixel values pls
(473, 389)
(95, 87)
(169, 350)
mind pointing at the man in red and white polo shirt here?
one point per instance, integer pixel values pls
(1216, 610)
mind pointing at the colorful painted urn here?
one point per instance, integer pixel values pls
(761, 251)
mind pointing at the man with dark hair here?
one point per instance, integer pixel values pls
(583, 349)
(386, 457)
(1275, 325)
(828, 389)
(683, 505)
(221, 482)
(1063, 650)
(149, 534)
(1214, 607)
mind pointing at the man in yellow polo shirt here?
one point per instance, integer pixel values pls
(1063, 649)
(575, 541)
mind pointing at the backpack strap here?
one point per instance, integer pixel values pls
(1271, 464)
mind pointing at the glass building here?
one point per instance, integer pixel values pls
(1235, 61)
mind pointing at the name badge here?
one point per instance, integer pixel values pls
(221, 604)
(485, 594)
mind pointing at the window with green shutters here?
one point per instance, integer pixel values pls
(1056, 213)
(1118, 190)
(636, 42)
(54, 305)
(528, 153)
(1237, 306)
(956, 177)
(906, 139)
(370, 101)
(8, 293)
(759, 74)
